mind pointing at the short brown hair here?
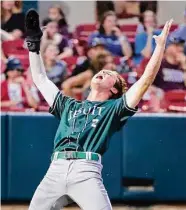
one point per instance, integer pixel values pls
(121, 87)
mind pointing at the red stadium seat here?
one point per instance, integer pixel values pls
(15, 47)
(71, 62)
(175, 100)
(173, 27)
(176, 95)
(83, 31)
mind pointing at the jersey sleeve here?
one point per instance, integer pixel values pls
(59, 104)
(123, 111)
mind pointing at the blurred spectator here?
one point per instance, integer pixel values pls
(52, 36)
(15, 93)
(180, 32)
(79, 47)
(106, 61)
(144, 42)
(56, 70)
(147, 19)
(172, 73)
(11, 22)
(15, 34)
(148, 5)
(110, 34)
(56, 13)
(81, 82)
(95, 48)
(18, 6)
(102, 7)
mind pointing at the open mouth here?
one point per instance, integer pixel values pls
(99, 77)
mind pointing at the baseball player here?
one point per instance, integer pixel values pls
(84, 128)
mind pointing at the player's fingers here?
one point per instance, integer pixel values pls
(170, 23)
(169, 26)
(165, 27)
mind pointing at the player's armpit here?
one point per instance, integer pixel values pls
(59, 104)
(136, 92)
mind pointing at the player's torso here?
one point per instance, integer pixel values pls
(86, 125)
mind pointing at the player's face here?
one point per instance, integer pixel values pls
(104, 80)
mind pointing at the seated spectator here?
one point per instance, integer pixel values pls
(52, 36)
(148, 18)
(95, 48)
(79, 48)
(106, 61)
(148, 5)
(15, 93)
(171, 76)
(102, 7)
(56, 13)
(172, 73)
(144, 42)
(109, 33)
(12, 23)
(15, 34)
(81, 82)
(180, 32)
(56, 69)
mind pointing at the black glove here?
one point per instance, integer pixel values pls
(33, 31)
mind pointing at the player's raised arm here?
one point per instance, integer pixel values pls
(33, 37)
(136, 92)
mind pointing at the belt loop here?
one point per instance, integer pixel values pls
(90, 156)
(99, 158)
(87, 155)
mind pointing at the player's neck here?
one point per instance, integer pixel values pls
(98, 96)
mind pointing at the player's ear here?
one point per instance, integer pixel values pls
(114, 90)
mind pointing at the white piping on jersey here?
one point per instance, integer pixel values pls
(56, 102)
(125, 105)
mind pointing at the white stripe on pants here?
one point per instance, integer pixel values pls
(78, 179)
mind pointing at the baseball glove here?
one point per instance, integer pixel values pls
(33, 31)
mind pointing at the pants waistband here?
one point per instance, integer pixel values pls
(69, 155)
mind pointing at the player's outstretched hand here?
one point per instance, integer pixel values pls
(162, 38)
(33, 31)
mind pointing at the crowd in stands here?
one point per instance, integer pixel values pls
(72, 59)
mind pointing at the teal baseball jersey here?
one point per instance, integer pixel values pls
(88, 125)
